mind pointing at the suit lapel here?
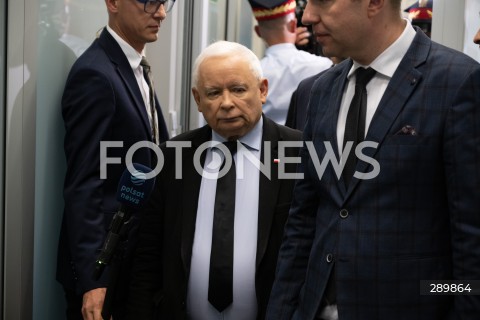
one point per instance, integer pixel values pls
(162, 127)
(403, 83)
(327, 106)
(268, 189)
(191, 190)
(336, 100)
(124, 70)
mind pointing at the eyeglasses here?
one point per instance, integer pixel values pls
(151, 6)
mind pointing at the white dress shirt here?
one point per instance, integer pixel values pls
(244, 306)
(134, 58)
(385, 64)
(285, 66)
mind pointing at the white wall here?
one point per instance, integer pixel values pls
(472, 24)
(448, 24)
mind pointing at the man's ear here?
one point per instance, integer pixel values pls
(111, 5)
(196, 96)
(292, 25)
(263, 90)
(375, 6)
(257, 30)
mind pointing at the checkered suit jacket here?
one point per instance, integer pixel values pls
(418, 219)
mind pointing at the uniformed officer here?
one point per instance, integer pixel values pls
(283, 65)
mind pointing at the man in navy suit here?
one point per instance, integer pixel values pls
(360, 249)
(106, 98)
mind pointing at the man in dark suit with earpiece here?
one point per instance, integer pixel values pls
(106, 98)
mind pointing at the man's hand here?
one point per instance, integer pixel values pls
(302, 36)
(93, 304)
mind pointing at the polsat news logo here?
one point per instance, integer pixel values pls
(130, 193)
(138, 178)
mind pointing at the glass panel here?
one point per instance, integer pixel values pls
(65, 29)
(217, 14)
(2, 137)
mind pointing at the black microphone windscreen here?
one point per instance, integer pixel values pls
(134, 189)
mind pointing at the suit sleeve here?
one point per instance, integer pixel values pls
(297, 241)
(145, 285)
(87, 107)
(462, 170)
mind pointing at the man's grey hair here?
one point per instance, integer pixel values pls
(225, 49)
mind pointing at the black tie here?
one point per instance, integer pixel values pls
(148, 77)
(355, 124)
(220, 286)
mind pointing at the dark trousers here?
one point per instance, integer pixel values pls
(74, 305)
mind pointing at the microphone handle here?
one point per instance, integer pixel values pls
(111, 242)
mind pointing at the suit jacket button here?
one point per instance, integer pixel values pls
(329, 257)
(343, 213)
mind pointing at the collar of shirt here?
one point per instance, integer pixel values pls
(134, 58)
(387, 62)
(280, 47)
(251, 140)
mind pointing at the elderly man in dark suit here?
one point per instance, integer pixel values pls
(176, 262)
(106, 98)
(359, 242)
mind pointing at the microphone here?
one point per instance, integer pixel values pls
(133, 191)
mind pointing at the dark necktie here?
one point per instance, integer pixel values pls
(220, 285)
(355, 124)
(148, 77)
